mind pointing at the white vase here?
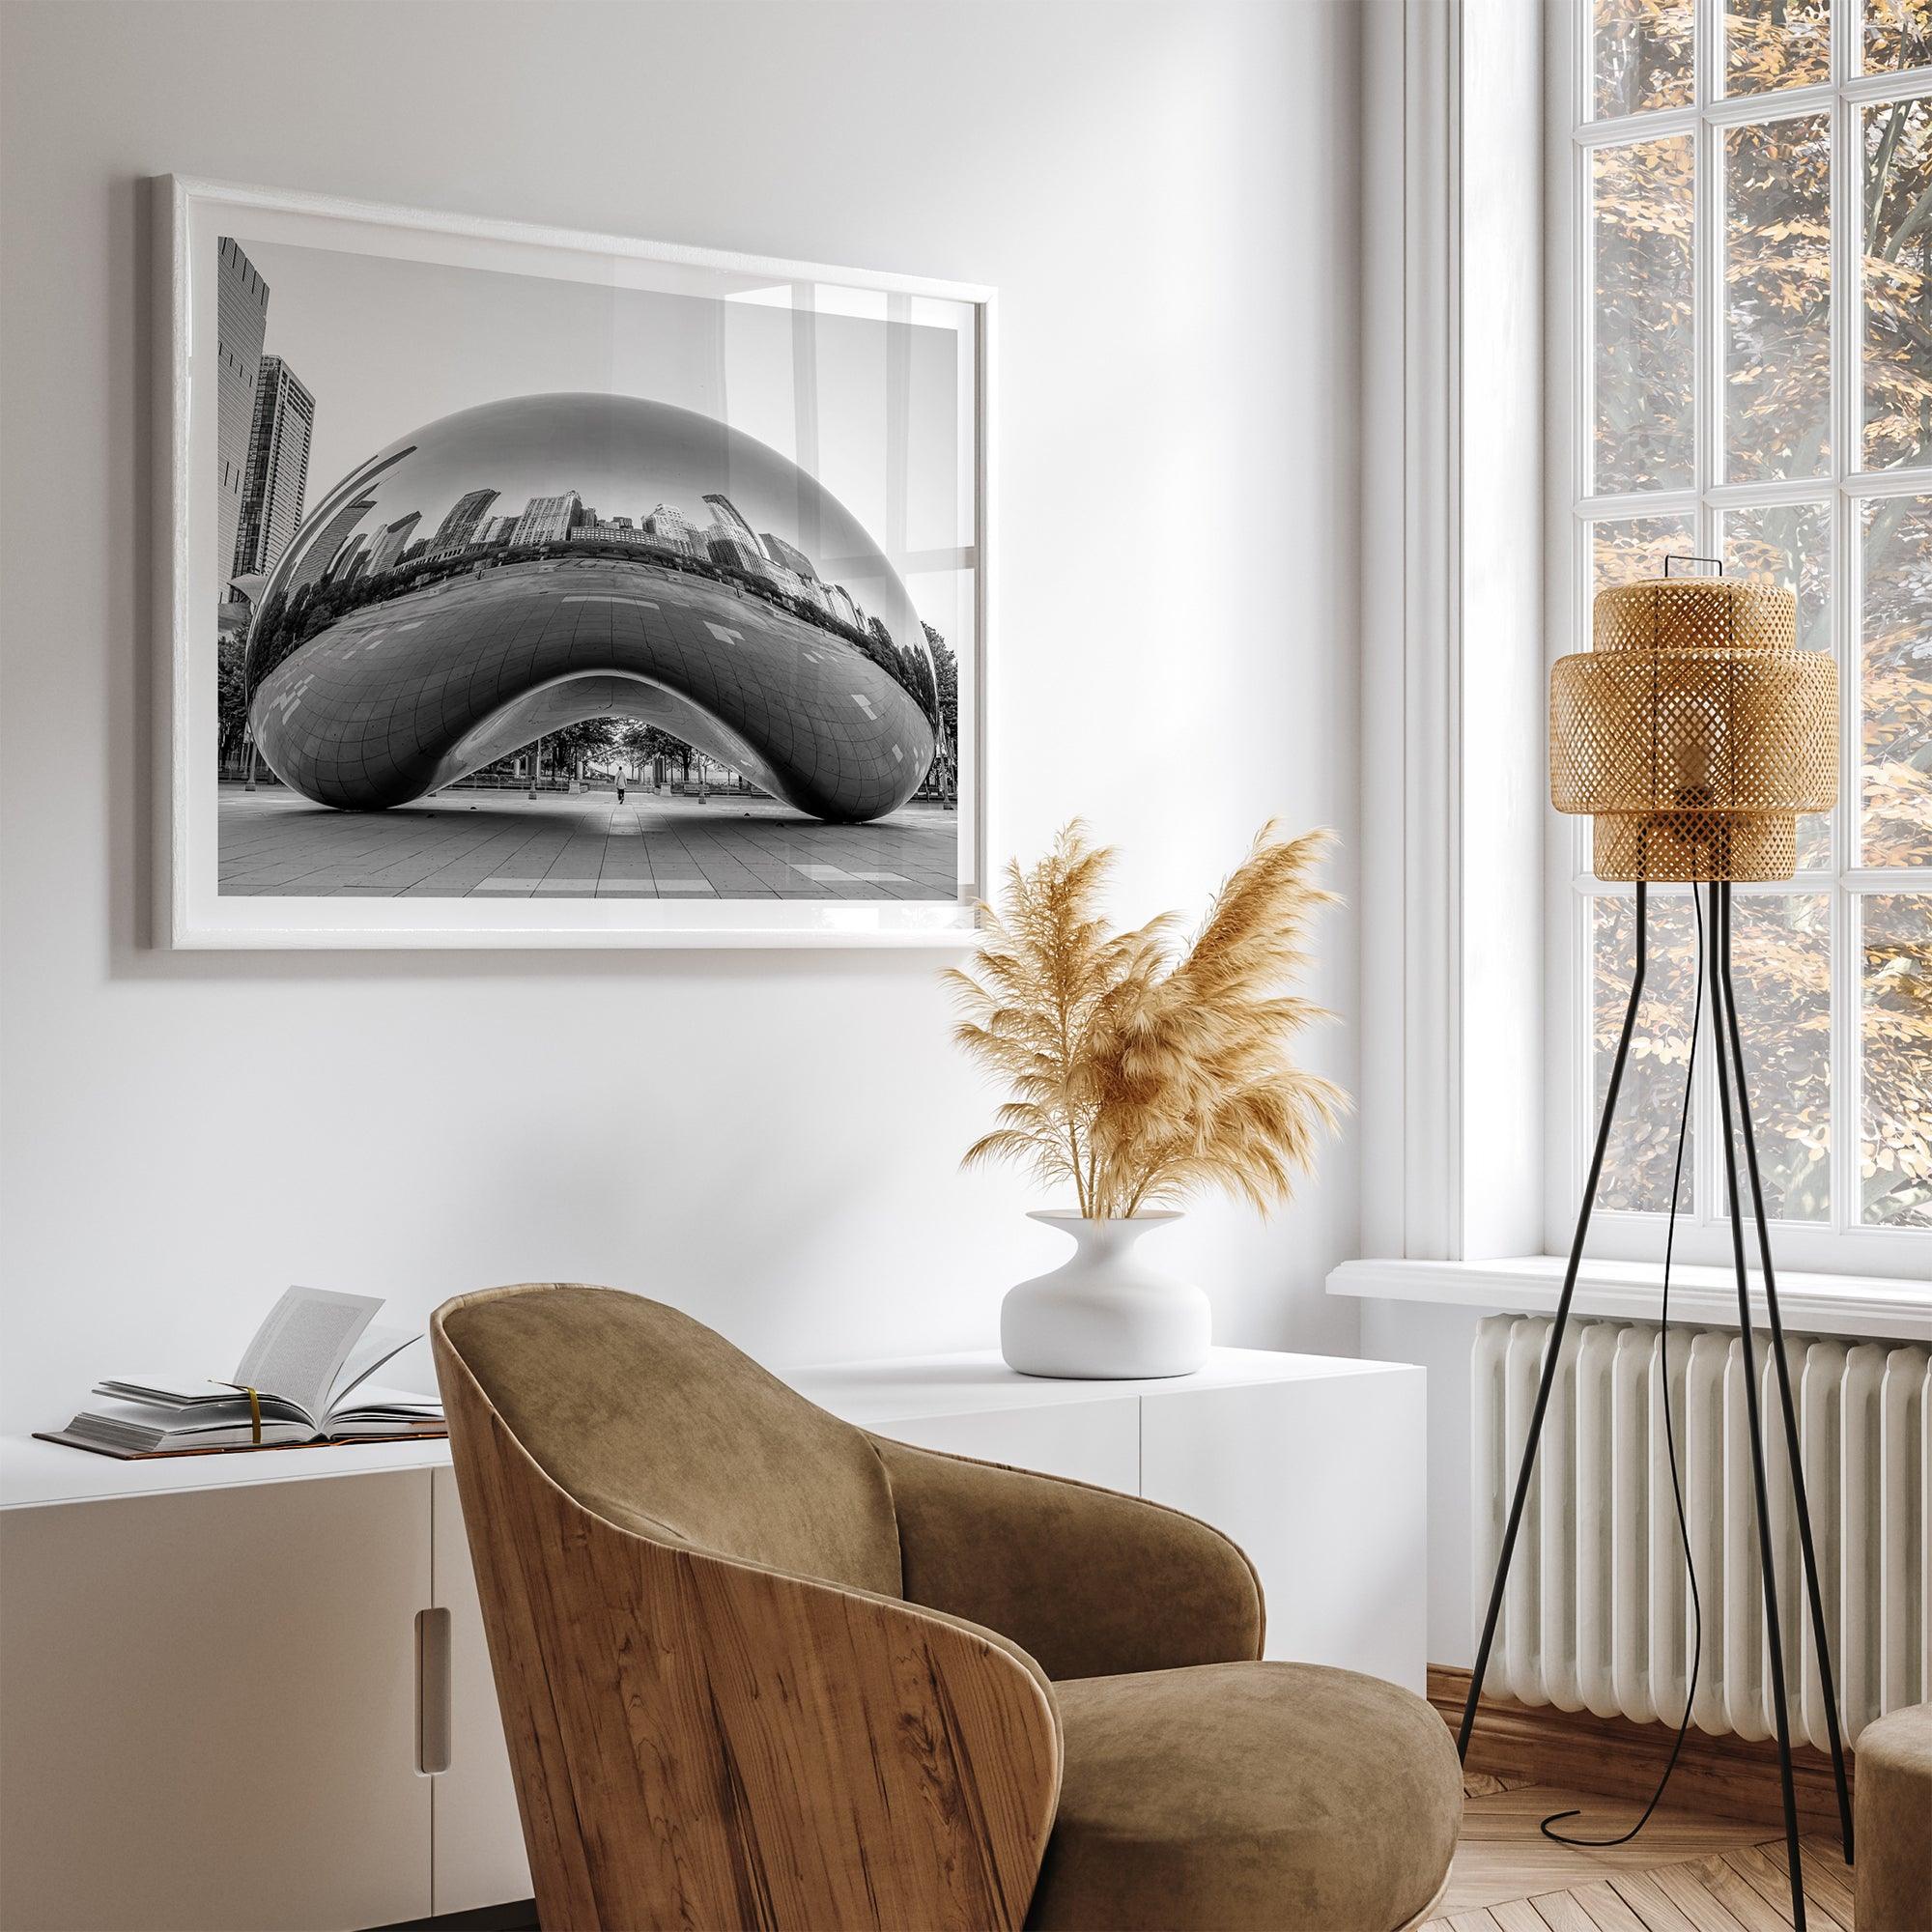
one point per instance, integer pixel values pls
(1104, 1314)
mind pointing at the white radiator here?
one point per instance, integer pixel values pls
(1597, 1615)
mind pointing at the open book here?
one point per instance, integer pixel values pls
(309, 1367)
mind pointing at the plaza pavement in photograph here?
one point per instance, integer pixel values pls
(496, 845)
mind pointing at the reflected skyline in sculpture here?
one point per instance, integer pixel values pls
(535, 562)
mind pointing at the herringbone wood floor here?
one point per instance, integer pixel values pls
(1686, 1872)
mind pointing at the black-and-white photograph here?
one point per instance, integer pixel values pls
(538, 588)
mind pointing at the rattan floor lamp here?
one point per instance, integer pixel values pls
(1694, 732)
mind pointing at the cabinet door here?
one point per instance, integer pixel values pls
(1321, 1482)
(479, 1839)
(1090, 1441)
(210, 1706)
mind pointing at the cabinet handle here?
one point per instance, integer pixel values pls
(431, 1692)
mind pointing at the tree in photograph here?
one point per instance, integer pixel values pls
(946, 673)
(647, 743)
(231, 698)
(563, 749)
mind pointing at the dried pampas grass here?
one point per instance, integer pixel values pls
(1140, 1073)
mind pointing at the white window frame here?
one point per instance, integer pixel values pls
(1845, 1245)
(1472, 1091)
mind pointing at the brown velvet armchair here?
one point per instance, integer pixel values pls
(760, 1669)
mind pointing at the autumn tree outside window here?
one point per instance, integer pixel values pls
(1752, 185)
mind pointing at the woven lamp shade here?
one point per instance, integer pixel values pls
(1695, 731)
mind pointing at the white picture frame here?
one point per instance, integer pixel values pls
(190, 215)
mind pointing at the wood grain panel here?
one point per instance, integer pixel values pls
(698, 1740)
(1828, 1879)
(1686, 1871)
(1615, 1757)
(1652, 1903)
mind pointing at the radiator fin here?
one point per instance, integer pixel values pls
(1597, 1615)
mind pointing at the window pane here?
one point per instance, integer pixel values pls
(1896, 699)
(1781, 967)
(1896, 1154)
(1897, 213)
(1771, 44)
(1791, 543)
(1641, 54)
(1778, 298)
(1643, 1139)
(1624, 548)
(1641, 226)
(1898, 34)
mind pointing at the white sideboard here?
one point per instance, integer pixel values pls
(227, 1688)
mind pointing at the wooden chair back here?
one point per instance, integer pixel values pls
(701, 1735)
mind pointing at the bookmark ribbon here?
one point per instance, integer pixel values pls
(254, 1408)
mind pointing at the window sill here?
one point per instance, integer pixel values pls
(1810, 1304)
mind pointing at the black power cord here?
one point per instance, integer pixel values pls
(1669, 1439)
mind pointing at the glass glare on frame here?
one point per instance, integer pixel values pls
(1791, 545)
(1781, 969)
(1778, 298)
(1774, 43)
(1897, 212)
(1898, 33)
(1895, 685)
(1643, 206)
(1642, 1148)
(1642, 55)
(1895, 1047)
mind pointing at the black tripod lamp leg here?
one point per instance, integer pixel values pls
(1720, 915)
(1554, 1349)
(1819, 1633)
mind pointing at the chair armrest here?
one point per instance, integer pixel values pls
(1090, 1583)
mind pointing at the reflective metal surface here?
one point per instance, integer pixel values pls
(534, 562)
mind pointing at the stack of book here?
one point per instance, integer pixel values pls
(306, 1378)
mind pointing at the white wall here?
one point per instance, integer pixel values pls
(1165, 196)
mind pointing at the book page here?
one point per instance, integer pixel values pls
(299, 1349)
(377, 1346)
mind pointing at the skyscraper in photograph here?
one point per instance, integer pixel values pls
(668, 521)
(321, 555)
(351, 561)
(242, 318)
(459, 528)
(725, 546)
(727, 513)
(392, 543)
(547, 519)
(790, 556)
(278, 472)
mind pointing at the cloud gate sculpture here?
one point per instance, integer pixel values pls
(532, 563)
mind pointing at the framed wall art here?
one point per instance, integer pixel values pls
(532, 588)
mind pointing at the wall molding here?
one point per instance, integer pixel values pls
(1616, 1759)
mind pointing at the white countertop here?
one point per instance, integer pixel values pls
(871, 1394)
